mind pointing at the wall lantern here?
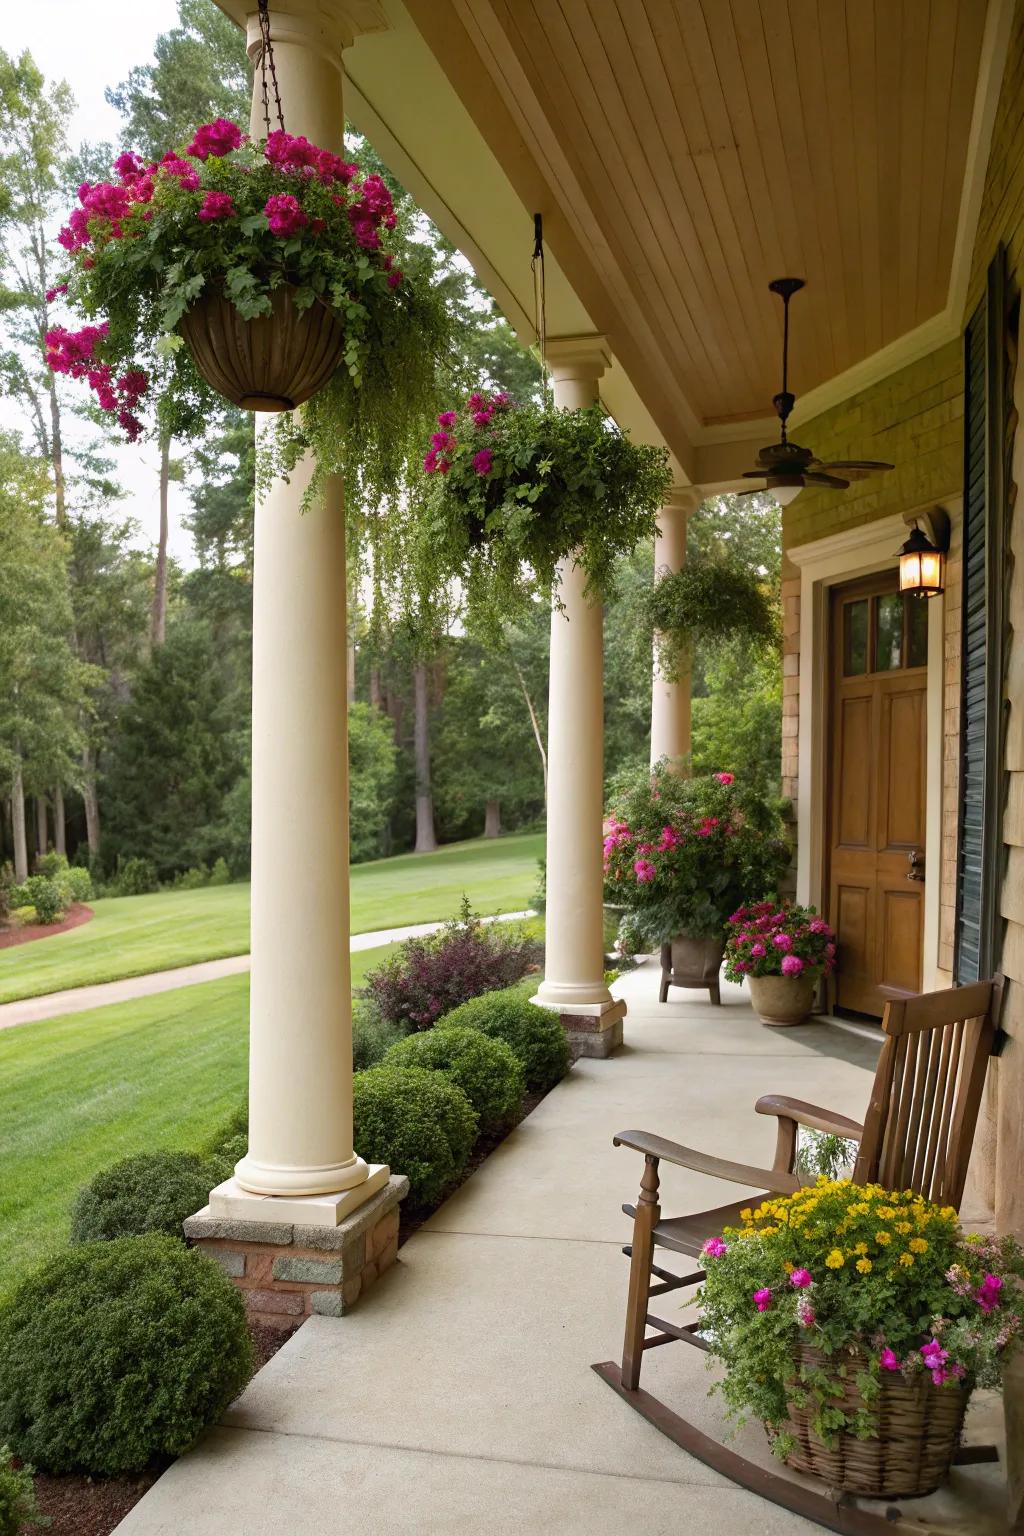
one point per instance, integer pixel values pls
(923, 556)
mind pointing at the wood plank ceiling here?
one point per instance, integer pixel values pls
(721, 143)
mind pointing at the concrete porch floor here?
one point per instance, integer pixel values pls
(459, 1396)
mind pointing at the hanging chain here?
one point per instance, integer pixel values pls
(540, 318)
(267, 57)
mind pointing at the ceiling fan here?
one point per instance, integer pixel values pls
(785, 467)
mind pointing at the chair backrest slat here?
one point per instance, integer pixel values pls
(927, 1092)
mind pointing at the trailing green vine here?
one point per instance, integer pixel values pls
(710, 600)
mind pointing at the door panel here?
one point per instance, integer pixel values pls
(876, 792)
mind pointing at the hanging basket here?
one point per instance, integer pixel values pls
(272, 363)
(917, 1428)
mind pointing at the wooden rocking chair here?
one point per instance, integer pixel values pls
(917, 1134)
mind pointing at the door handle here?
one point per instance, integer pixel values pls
(916, 861)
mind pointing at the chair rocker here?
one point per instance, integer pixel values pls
(917, 1134)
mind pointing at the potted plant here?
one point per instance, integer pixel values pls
(855, 1322)
(518, 488)
(264, 271)
(680, 855)
(781, 951)
(716, 599)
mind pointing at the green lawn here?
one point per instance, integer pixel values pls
(131, 935)
(78, 1092)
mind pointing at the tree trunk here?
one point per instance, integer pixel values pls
(60, 837)
(56, 453)
(41, 830)
(535, 725)
(18, 828)
(91, 800)
(492, 819)
(350, 672)
(376, 695)
(158, 618)
(426, 837)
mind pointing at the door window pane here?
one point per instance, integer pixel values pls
(888, 632)
(855, 638)
(917, 632)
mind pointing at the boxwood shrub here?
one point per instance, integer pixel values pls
(17, 1497)
(419, 1122)
(535, 1035)
(152, 1192)
(486, 1070)
(114, 1353)
(45, 895)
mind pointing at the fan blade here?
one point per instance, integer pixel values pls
(855, 469)
(814, 477)
(754, 474)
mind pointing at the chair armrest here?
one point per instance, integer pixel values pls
(777, 1180)
(809, 1115)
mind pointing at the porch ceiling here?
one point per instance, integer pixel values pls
(683, 153)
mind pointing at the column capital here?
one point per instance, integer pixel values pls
(578, 357)
(684, 498)
(326, 26)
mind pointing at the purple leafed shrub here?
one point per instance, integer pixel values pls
(430, 976)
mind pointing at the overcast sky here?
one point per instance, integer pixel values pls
(92, 44)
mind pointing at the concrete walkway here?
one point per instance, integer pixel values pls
(80, 999)
(458, 1398)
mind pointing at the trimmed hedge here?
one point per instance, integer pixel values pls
(152, 1192)
(535, 1035)
(419, 1122)
(486, 1070)
(372, 1036)
(113, 1353)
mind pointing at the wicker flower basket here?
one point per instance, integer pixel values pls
(272, 363)
(918, 1427)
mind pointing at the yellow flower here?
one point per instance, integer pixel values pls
(903, 1227)
(906, 1259)
(768, 1231)
(886, 1212)
(883, 1238)
(918, 1245)
(835, 1259)
(788, 1267)
(860, 1248)
(948, 1213)
(747, 1214)
(865, 1266)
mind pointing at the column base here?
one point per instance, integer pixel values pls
(231, 1201)
(592, 1029)
(288, 1271)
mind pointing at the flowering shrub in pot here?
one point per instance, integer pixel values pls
(517, 488)
(681, 854)
(258, 251)
(855, 1322)
(781, 951)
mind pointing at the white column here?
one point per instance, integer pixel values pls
(300, 1068)
(670, 701)
(574, 951)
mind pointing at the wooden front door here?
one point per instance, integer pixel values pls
(876, 796)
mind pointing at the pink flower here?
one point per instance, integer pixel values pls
(441, 440)
(805, 1313)
(173, 165)
(72, 351)
(331, 168)
(669, 839)
(725, 778)
(291, 152)
(217, 205)
(430, 461)
(284, 214)
(75, 233)
(801, 1278)
(51, 293)
(792, 965)
(217, 138)
(819, 925)
(763, 1299)
(482, 417)
(482, 461)
(447, 418)
(644, 870)
(758, 949)
(987, 1295)
(714, 1248)
(127, 166)
(782, 941)
(395, 277)
(888, 1360)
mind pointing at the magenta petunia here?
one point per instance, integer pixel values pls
(284, 215)
(482, 461)
(217, 138)
(714, 1248)
(763, 1299)
(217, 205)
(889, 1360)
(801, 1278)
(644, 870)
(792, 965)
(725, 778)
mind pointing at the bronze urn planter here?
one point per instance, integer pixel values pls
(692, 963)
(271, 363)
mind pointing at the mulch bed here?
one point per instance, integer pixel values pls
(80, 1506)
(76, 915)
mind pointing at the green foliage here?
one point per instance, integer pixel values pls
(151, 1192)
(113, 1353)
(682, 854)
(487, 1070)
(193, 879)
(534, 1035)
(372, 1036)
(372, 766)
(45, 895)
(553, 483)
(6, 892)
(18, 1508)
(220, 874)
(709, 600)
(136, 877)
(822, 1153)
(229, 1143)
(855, 1270)
(419, 1122)
(736, 722)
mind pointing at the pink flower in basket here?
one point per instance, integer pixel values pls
(792, 965)
(763, 1299)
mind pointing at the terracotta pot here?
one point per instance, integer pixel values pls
(272, 363)
(782, 999)
(687, 962)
